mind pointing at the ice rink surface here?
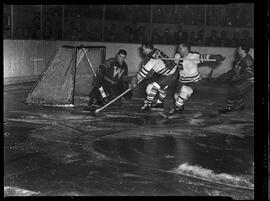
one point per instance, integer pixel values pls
(67, 151)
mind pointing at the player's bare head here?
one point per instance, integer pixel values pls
(243, 49)
(184, 49)
(147, 47)
(121, 56)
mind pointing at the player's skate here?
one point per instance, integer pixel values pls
(95, 103)
(173, 112)
(145, 108)
(228, 109)
(225, 110)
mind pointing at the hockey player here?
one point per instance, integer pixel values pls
(241, 80)
(111, 80)
(189, 76)
(165, 70)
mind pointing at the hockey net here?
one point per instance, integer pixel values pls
(66, 76)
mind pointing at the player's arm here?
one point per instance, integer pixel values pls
(100, 72)
(103, 67)
(219, 58)
(177, 58)
(202, 58)
(145, 70)
(125, 77)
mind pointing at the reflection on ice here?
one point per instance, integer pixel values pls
(210, 175)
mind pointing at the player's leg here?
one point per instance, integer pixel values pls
(236, 96)
(159, 103)
(231, 99)
(94, 97)
(164, 83)
(95, 94)
(243, 88)
(183, 93)
(151, 91)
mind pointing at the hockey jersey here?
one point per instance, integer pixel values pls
(154, 62)
(190, 72)
(112, 71)
(243, 68)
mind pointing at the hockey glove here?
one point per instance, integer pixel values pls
(219, 58)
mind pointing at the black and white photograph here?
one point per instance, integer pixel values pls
(129, 100)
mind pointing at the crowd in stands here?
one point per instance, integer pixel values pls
(189, 15)
(200, 38)
(129, 24)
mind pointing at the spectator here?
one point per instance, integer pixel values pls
(142, 14)
(125, 36)
(167, 37)
(35, 27)
(235, 40)
(238, 20)
(246, 39)
(133, 34)
(69, 32)
(200, 36)
(179, 14)
(157, 15)
(223, 19)
(110, 33)
(122, 12)
(141, 34)
(211, 16)
(186, 15)
(180, 35)
(19, 33)
(131, 13)
(38, 34)
(213, 39)
(198, 15)
(224, 40)
(76, 32)
(192, 40)
(47, 29)
(27, 33)
(156, 38)
(7, 33)
(94, 34)
(83, 28)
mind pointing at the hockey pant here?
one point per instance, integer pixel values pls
(237, 93)
(183, 93)
(160, 86)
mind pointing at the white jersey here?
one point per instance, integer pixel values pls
(158, 66)
(190, 72)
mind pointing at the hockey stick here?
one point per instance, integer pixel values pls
(173, 59)
(101, 90)
(112, 101)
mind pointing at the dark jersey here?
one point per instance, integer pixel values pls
(243, 68)
(157, 54)
(113, 71)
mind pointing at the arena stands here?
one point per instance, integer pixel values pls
(208, 25)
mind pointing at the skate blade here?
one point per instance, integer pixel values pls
(168, 117)
(163, 115)
(94, 106)
(173, 117)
